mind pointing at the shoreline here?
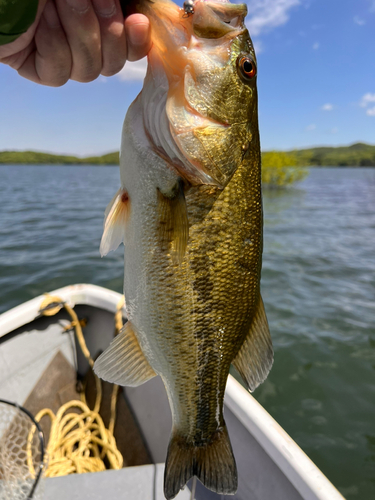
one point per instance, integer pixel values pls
(355, 155)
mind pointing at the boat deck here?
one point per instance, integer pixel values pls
(270, 465)
(131, 483)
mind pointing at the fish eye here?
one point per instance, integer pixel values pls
(247, 67)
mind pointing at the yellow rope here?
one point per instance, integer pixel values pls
(79, 442)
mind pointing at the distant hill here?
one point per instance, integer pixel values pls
(37, 158)
(356, 155)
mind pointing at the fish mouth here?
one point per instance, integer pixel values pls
(176, 63)
(217, 19)
(173, 32)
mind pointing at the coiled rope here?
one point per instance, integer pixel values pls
(79, 441)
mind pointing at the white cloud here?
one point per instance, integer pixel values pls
(327, 107)
(133, 71)
(334, 130)
(316, 46)
(372, 8)
(311, 127)
(258, 46)
(358, 20)
(367, 99)
(267, 14)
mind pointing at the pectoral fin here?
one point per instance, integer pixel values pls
(115, 219)
(255, 358)
(173, 230)
(124, 363)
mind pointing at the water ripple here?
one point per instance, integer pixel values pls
(317, 284)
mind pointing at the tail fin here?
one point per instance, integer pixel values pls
(212, 463)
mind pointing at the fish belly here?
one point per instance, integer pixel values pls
(158, 293)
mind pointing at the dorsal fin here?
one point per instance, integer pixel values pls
(124, 363)
(255, 358)
(115, 219)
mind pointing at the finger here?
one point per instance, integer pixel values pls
(82, 31)
(138, 37)
(50, 63)
(16, 60)
(112, 33)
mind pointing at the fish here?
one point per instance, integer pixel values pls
(189, 212)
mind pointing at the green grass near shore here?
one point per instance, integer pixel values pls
(356, 155)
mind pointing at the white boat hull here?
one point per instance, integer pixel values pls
(271, 466)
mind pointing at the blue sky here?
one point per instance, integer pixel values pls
(316, 82)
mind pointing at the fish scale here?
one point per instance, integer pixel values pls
(223, 264)
(189, 211)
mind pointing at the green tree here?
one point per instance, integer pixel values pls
(280, 169)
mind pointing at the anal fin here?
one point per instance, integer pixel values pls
(173, 229)
(115, 219)
(124, 363)
(254, 359)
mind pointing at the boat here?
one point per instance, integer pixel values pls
(271, 466)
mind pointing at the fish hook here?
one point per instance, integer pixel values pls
(188, 7)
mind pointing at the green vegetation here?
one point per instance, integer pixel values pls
(356, 155)
(37, 158)
(280, 169)
(108, 159)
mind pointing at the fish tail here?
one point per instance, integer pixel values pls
(213, 463)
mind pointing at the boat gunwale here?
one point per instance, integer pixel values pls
(299, 469)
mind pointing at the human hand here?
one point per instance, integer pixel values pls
(77, 40)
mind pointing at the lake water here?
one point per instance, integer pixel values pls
(318, 285)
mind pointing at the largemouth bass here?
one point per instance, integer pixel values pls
(189, 212)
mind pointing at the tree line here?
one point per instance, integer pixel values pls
(279, 168)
